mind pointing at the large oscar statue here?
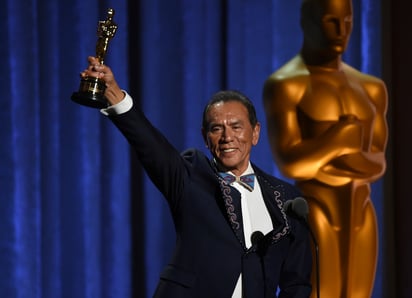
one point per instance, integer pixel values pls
(328, 131)
(91, 90)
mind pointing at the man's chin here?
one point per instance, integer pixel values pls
(224, 165)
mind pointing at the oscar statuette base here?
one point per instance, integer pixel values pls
(91, 93)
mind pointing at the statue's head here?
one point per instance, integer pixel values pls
(327, 24)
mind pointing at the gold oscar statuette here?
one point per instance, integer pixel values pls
(91, 90)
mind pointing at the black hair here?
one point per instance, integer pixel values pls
(230, 95)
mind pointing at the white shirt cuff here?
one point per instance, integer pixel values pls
(122, 107)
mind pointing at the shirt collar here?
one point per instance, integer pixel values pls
(249, 169)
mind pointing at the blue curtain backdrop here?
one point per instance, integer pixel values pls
(78, 217)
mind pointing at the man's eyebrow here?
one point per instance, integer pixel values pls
(236, 121)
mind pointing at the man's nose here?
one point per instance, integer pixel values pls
(227, 134)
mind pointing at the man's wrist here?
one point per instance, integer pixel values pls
(119, 108)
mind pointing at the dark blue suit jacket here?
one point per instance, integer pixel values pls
(210, 252)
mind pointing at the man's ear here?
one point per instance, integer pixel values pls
(256, 134)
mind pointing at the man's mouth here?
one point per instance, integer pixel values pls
(228, 150)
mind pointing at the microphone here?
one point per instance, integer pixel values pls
(257, 240)
(300, 208)
(256, 237)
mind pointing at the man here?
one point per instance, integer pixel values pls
(327, 129)
(214, 255)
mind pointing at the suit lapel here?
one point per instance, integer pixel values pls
(231, 205)
(231, 200)
(273, 195)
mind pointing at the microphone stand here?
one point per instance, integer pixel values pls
(315, 243)
(257, 239)
(300, 208)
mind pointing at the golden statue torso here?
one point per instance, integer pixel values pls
(335, 112)
(329, 98)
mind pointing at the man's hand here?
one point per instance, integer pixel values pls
(113, 92)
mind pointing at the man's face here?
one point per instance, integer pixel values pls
(230, 136)
(331, 25)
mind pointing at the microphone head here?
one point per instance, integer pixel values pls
(256, 237)
(300, 207)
